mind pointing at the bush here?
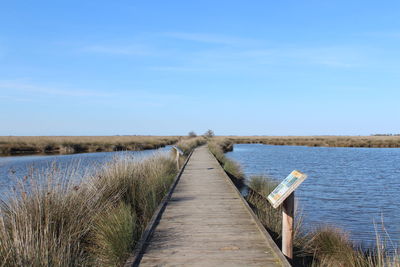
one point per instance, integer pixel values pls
(192, 134)
(209, 134)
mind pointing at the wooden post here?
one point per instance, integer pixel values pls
(287, 226)
(177, 159)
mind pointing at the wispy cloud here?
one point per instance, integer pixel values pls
(341, 56)
(231, 53)
(384, 34)
(210, 38)
(178, 68)
(16, 99)
(33, 88)
(257, 59)
(22, 91)
(132, 50)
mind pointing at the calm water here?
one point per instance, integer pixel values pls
(347, 187)
(14, 167)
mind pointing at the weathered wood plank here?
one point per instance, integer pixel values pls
(206, 223)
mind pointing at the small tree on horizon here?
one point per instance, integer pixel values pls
(209, 133)
(192, 134)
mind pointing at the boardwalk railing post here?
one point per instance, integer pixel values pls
(287, 226)
(177, 159)
(178, 153)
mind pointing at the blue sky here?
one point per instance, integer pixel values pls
(168, 67)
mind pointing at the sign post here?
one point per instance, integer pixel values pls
(287, 226)
(178, 153)
(284, 194)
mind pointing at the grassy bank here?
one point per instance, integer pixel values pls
(218, 147)
(12, 145)
(325, 246)
(188, 144)
(51, 220)
(323, 141)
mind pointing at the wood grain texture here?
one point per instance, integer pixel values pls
(205, 223)
(287, 226)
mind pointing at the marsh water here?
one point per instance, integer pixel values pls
(13, 168)
(349, 188)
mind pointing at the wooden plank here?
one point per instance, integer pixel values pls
(207, 223)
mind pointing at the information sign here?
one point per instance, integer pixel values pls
(286, 187)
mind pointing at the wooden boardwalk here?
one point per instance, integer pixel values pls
(206, 223)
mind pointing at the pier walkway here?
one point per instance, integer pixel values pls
(207, 223)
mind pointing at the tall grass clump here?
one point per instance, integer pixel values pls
(140, 187)
(187, 145)
(46, 221)
(331, 246)
(52, 220)
(113, 236)
(218, 148)
(259, 188)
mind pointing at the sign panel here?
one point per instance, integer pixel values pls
(285, 188)
(177, 149)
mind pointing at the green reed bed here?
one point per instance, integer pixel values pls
(50, 220)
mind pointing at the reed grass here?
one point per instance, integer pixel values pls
(10, 145)
(187, 145)
(259, 188)
(217, 148)
(320, 141)
(51, 220)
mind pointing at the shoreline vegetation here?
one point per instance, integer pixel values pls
(20, 145)
(49, 219)
(374, 141)
(324, 246)
(23, 145)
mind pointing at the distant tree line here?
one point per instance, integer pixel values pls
(207, 134)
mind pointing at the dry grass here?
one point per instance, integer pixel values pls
(331, 247)
(187, 145)
(259, 188)
(217, 147)
(74, 144)
(324, 141)
(51, 221)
